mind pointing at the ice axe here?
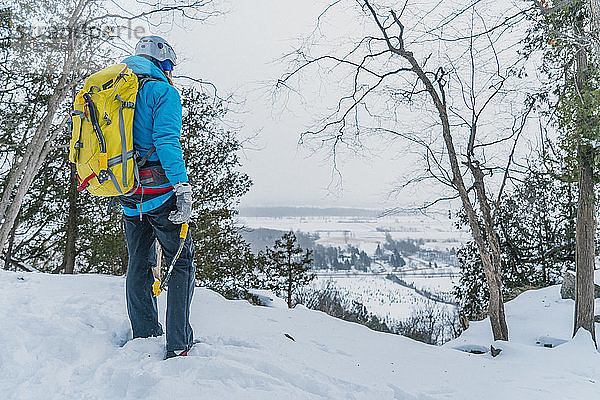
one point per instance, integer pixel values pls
(157, 286)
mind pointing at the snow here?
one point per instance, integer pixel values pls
(67, 337)
(543, 309)
(380, 296)
(436, 229)
(443, 285)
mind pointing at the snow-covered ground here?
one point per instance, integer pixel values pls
(67, 337)
(532, 315)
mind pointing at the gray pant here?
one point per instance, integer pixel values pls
(141, 304)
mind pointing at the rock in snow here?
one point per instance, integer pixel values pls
(68, 337)
(567, 289)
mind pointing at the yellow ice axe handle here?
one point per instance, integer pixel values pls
(184, 230)
(156, 288)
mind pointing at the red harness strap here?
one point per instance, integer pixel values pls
(148, 190)
(85, 182)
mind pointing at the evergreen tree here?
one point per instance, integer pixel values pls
(472, 291)
(347, 266)
(333, 258)
(103, 250)
(537, 222)
(397, 260)
(364, 262)
(289, 266)
(566, 36)
(378, 252)
(320, 257)
(225, 261)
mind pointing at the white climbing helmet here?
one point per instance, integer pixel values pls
(157, 48)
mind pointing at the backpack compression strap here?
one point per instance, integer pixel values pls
(124, 104)
(103, 176)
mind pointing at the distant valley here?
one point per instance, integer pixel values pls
(397, 266)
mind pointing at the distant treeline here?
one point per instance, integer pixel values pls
(392, 252)
(275, 212)
(407, 247)
(324, 257)
(260, 238)
(336, 258)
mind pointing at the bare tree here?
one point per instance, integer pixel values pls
(472, 142)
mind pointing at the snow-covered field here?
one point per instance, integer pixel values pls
(67, 337)
(436, 285)
(436, 229)
(388, 300)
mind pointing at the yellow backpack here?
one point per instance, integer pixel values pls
(101, 143)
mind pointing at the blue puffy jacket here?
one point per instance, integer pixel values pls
(157, 121)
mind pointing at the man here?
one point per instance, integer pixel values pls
(162, 203)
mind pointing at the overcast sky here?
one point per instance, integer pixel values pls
(238, 53)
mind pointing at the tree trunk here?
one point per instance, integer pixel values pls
(11, 242)
(489, 251)
(594, 7)
(585, 252)
(289, 288)
(39, 146)
(586, 217)
(72, 229)
(493, 261)
(29, 166)
(496, 302)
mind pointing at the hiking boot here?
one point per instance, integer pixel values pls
(176, 353)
